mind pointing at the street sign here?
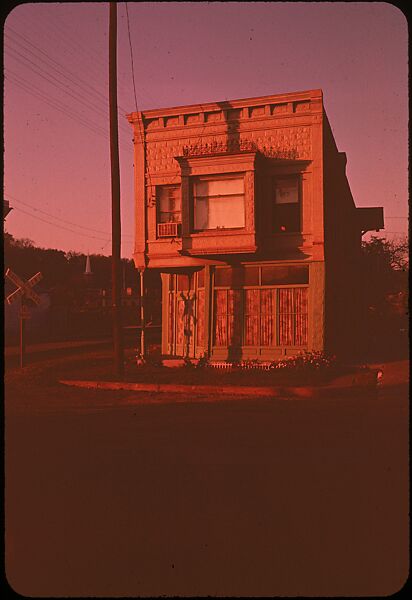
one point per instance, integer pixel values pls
(23, 288)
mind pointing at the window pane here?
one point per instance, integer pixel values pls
(223, 276)
(211, 213)
(169, 204)
(217, 187)
(251, 276)
(267, 318)
(226, 212)
(272, 275)
(200, 312)
(163, 202)
(180, 321)
(221, 318)
(182, 282)
(171, 318)
(201, 212)
(201, 278)
(219, 203)
(301, 326)
(292, 310)
(287, 218)
(169, 199)
(298, 274)
(234, 325)
(252, 307)
(168, 217)
(287, 191)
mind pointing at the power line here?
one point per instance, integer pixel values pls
(62, 73)
(62, 36)
(62, 227)
(59, 218)
(61, 85)
(60, 106)
(54, 103)
(140, 125)
(50, 27)
(59, 226)
(131, 55)
(65, 73)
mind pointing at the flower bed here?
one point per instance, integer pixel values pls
(309, 368)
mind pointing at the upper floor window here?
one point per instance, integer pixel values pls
(169, 204)
(287, 205)
(219, 203)
(169, 214)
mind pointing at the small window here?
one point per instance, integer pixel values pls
(183, 283)
(169, 206)
(276, 275)
(218, 203)
(287, 205)
(251, 276)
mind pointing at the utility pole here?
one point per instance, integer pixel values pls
(115, 172)
(142, 315)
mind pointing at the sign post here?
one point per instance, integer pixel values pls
(24, 291)
(22, 336)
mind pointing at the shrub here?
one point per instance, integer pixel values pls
(308, 361)
(203, 362)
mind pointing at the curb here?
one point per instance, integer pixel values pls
(272, 391)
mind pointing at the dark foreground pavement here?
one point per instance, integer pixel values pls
(106, 497)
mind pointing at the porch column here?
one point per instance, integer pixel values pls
(208, 310)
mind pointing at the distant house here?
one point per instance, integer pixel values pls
(245, 210)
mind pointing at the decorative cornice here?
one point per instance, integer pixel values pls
(310, 95)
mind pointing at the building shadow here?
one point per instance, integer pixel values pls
(237, 281)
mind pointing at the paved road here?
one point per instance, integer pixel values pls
(107, 497)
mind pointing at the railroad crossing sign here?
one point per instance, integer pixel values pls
(24, 289)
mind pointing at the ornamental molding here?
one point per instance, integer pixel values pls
(237, 147)
(290, 143)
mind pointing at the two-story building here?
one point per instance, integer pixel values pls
(245, 210)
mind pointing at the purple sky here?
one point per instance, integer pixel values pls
(57, 169)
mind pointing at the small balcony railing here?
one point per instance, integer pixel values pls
(168, 230)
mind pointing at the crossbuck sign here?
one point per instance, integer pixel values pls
(24, 288)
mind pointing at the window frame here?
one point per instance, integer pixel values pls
(159, 212)
(297, 177)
